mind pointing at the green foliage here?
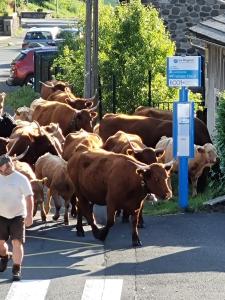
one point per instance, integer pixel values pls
(66, 8)
(21, 97)
(3, 6)
(132, 41)
(218, 184)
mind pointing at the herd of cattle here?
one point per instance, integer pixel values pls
(119, 161)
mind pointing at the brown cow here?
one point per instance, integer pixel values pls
(202, 135)
(3, 145)
(37, 145)
(33, 128)
(131, 144)
(36, 184)
(205, 156)
(71, 100)
(69, 119)
(149, 129)
(89, 139)
(59, 182)
(117, 181)
(2, 100)
(52, 86)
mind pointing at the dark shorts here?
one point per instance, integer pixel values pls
(12, 228)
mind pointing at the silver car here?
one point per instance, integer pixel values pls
(41, 35)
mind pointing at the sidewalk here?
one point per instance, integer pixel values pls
(6, 41)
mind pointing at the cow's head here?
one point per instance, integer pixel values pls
(84, 119)
(155, 179)
(23, 113)
(147, 155)
(38, 189)
(211, 152)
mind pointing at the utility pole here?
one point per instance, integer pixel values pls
(95, 47)
(91, 49)
(88, 42)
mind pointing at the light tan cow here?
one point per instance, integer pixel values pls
(36, 184)
(59, 182)
(23, 113)
(2, 100)
(205, 156)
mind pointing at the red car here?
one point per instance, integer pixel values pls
(22, 67)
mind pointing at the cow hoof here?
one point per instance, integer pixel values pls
(141, 225)
(55, 217)
(80, 233)
(43, 220)
(137, 243)
(66, 222)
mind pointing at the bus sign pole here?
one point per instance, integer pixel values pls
(182, 72)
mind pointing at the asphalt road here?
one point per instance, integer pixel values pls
(182, 257)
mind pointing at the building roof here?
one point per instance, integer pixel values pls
(211, 30)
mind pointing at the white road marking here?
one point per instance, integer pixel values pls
(102, 289)
(28, 289)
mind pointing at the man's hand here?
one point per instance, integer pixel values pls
(28, 220)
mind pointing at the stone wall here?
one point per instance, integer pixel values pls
(179, 15)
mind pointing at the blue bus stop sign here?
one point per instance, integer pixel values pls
(183, 71)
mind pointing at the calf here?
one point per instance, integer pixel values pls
(117, 181)
(205, 156)
(59, 182)
(36, 184)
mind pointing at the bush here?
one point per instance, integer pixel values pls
(218, 184)
(21, 97)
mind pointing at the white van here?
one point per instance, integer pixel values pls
(40, 35)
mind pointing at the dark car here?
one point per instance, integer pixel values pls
(22, 67)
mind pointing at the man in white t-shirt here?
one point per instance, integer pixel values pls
(16, 212)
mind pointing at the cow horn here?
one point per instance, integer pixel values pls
(45, 84)
(21, 155)
(139, 165)
(95, 107)
(133, 148)
(39, 127)
(15, 140)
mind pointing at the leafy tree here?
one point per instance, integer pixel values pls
(3, 6)
(218, 179)
(132, 41)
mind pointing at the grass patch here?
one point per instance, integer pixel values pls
(21, 97)
(172, 206)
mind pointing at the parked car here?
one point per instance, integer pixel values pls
(22, 67)
(41, 35)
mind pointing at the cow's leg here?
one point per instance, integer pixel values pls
(125, 217)
(111, 215)
(87, 211)
(48, 202)
(43, 213)
(66, 214)
(57, 202)
(73, 202)
(141, 223)
(79, 226)
(135, 237)
(35, 208)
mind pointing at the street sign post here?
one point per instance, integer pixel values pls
(183, 72)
